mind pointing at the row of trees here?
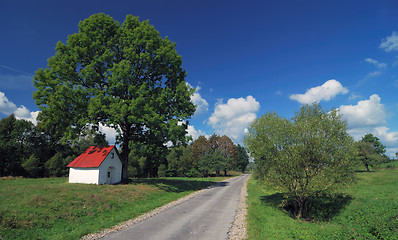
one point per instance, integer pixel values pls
(199, 159)
(27, 150)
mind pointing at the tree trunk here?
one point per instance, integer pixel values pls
(300, 206)
(125, 158)
(367, 167)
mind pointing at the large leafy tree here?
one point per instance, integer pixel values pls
(367, 154)
(123, 76)
(375, 142)
(310, 154)
(229, 152)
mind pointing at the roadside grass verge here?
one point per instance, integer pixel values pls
(367, 209)
(51, 208)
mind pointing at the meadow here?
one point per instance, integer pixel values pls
(367, 209)
(51, 208)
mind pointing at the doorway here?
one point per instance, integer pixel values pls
(109, 175)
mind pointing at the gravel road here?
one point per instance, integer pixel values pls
(207, 214)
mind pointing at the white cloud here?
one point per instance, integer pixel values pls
(22, 112)
(6, 107)
(232, 118)
(369, 116)
(110, 133)
(201, 104)
(367, 113)
(325, 92)
(390, 139)
(195, 133)
(376, 63)
(390, 43)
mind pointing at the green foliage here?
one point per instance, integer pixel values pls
(367, 155)
(123, 76)
(9, 161)
(366, 210)
(89, 138)
(32, 166)
(212, 161)
(243, 158)
(379, 148)
(303, 157)
(56, 165)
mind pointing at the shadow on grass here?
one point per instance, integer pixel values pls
(175, 185)
(319, 208)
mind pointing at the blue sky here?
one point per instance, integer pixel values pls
(244, 58)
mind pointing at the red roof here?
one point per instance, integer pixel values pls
(92, 157)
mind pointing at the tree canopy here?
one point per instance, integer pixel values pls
(309, 154)
(122, 76)
(375, 142)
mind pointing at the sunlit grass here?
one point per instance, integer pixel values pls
(368, 209)
(52, 208)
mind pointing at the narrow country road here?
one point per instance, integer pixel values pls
(208, 216)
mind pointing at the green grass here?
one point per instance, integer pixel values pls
(51, 208)
(367, 209)
(389, 165)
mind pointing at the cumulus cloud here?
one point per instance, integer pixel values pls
(369, 116)
(367, 113)
(388, 138)
(202, 106)
(376, 63)
(390, 43)
(6, 107)
(325, 92)
(110, 133)
(233, 117)
(195, 133)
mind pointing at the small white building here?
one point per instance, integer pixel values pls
(97, 165)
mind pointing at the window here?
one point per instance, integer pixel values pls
(112, 155)
(109, 174)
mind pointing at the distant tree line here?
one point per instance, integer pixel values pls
(30, 151)
(26, 150)
(201, 158)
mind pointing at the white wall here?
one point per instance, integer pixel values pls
(117, 168)
(83, 175)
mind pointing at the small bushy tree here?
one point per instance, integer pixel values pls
(304, 156)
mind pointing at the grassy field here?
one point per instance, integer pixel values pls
(367, 209)
(51, 208)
